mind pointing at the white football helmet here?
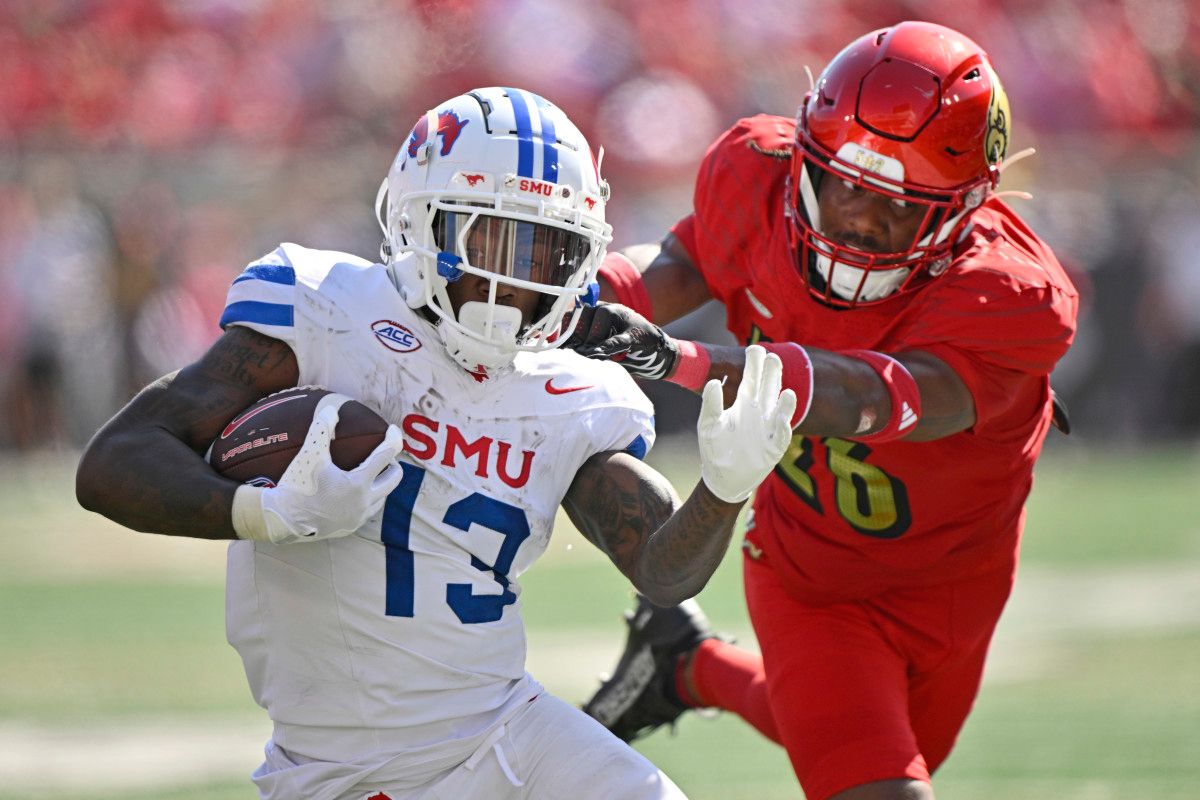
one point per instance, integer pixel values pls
(497, 183)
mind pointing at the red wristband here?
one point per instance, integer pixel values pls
(797, 375)
(691, 371)
(627, 285)
(902, 390)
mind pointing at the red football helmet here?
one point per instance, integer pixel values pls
(914, 113)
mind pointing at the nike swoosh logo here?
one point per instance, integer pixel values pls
(552, 389)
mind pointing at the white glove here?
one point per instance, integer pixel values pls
(315, 499)
(740, 445)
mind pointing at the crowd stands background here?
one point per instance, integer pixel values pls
(150, 148)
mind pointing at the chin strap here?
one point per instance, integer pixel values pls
(385, 249)
(1008, 162)
(1014, 158)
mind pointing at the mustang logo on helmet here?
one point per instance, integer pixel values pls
(449, 128)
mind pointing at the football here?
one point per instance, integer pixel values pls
(259, 443)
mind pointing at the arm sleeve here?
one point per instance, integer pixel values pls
(741, 168)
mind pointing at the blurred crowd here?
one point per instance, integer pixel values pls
(150, 148)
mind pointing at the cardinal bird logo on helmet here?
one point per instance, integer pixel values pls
(996, 141)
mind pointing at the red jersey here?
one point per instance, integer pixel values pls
(841, 519)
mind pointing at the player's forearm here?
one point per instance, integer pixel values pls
(844, 391)
(149, 481)
(667, 549)
(855, 393)
(144, 470)
(681, 556)
(138, 473)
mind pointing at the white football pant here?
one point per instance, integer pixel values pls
(547, 749)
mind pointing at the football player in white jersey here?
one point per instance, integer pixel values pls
(377, 610)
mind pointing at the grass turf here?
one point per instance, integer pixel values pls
(89, 632)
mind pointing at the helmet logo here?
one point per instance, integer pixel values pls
(449, 127)
(995, 141)
(870, 161)
(472, 180)
(536, 187)
(394, 336)
(591, 202)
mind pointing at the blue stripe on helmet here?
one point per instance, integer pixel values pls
(277, 314)
(549, 141)
(524, 132)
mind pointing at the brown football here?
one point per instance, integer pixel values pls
(259, 443)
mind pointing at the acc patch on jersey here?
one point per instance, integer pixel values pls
(394, 336)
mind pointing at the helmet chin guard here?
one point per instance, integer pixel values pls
(867, 285)
(485, 338)
(497, 184)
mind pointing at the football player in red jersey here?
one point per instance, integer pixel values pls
(918, 319)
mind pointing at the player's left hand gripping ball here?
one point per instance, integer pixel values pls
(740, 445)
(612, 331)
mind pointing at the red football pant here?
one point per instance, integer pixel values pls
(861, 691)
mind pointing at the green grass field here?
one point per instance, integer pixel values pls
(116, 681)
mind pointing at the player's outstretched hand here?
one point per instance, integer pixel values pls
(315, 499)
(612, 331)
(740, 445)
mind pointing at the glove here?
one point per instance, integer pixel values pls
(612, 331)
(741, 444)
(315, 499)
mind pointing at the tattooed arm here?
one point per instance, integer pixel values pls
(145, 468)
(631, 512)
(625, 508)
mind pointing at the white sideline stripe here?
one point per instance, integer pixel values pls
(105, 758)
(1048, 609)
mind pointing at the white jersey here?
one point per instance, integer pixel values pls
(407, 637)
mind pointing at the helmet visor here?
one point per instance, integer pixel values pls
(511, 248)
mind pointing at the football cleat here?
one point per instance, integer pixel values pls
(640, 696)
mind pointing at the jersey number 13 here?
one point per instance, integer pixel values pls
(474, 509)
